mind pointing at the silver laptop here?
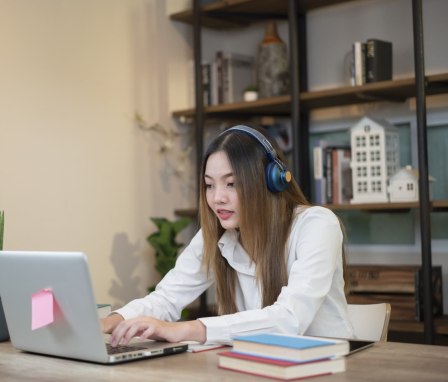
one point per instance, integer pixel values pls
(74, 330)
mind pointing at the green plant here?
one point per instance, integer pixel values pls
(251, 88)
(2, 226)
(166, 247)
(164, 242)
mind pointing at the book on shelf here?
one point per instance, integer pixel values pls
(318, 171)
(371, 61)
(359, 63)
(378, 60)
(279, 369)
(231, 74)
(332, 172)
(206, 83)
(341, 175)
(219, 83)
(290, 347)
(240, 70)
(206, 74)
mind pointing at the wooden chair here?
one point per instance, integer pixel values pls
(370, 321)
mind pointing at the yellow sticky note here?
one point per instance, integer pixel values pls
(42, 309)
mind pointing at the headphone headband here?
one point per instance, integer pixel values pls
(270, 151)
(277, 174)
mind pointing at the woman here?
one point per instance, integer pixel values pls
(276, 261)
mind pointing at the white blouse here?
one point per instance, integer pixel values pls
(312, 303)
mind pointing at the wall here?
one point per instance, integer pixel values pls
(76, 173)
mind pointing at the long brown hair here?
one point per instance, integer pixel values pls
(265, 220)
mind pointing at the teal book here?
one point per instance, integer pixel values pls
(290, 347)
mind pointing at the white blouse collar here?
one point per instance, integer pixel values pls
(235, 254)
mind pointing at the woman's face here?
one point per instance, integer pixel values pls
(221, 194)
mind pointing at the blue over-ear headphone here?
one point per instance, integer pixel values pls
(277, 175)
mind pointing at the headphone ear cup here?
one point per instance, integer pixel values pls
(274, 179)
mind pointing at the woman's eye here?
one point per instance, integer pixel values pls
(231, 185)
(208, 186)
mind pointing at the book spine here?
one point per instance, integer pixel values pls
(214, 83)
(328, 175)
(319, 179)
(206, 80)
(359, 60)
(219, 73)
(378, 60)
(335, 169)
(226, 96)
(345, 176)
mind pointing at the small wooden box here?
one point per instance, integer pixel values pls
(401, 286)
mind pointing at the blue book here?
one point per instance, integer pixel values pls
(290, 347)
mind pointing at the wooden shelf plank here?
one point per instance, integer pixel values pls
(280, 105)
(394, 90)
(437, 206)
(227, 14)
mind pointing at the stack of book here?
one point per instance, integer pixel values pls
(332, 173)
(371, 61)
(225, 79)
(284, 356)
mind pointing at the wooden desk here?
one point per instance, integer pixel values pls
(387, 361)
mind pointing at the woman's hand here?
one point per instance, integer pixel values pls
(109, 323)
(151, 328)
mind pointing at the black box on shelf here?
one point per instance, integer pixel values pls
(378, 60)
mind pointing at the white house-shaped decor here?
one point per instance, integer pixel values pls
(403, 185)
(375, 157)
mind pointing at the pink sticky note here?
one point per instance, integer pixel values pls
(41, 309)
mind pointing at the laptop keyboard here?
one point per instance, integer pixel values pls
(122, 349)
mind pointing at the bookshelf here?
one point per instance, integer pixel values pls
(227, 14)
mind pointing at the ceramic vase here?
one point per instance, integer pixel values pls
(272, 64)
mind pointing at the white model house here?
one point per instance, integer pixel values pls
(403, 185)
(375, 157)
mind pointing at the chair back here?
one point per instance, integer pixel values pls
(370, 321)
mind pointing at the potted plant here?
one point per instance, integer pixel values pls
(165, 244)
(250, 93)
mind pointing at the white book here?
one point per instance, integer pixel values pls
(359, 62)
(238, 74)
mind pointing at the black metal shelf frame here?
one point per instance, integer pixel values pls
(424, 203)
